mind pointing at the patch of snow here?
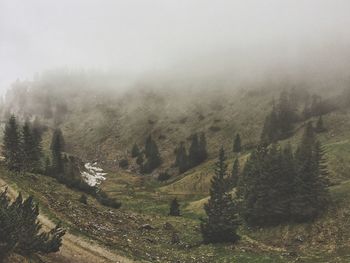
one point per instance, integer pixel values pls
(93, 175)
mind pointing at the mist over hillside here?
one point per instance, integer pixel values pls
(174, 131)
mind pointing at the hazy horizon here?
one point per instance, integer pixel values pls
(137, 38)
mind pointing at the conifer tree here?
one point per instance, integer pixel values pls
(153, 159)
(135, 151)
(310, 186)
(221, 223)
(57, 146)
(181, 158)
(31, 149)
(174, 208)
(237, 147)
(233, 178)
(203, 154)
(20, 231)
(194, 151)
(319, 125)
(12, 145)
(271, 131)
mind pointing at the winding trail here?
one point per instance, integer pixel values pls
(74, 249)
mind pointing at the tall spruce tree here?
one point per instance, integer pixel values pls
(233, 178)
(310, 186)
(12, 145)
(153, 159)
(31, 149)
(194, 151)
(271, 131)
(203, 154)
(57, 147)
(319, 125)
(182, 158)
(135, 151)
(221, 223)
(237, 144)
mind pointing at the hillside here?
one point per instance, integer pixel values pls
(103, 128)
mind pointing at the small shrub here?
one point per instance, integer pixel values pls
(164, 176)
(83, 199)
(214, 128)
(105, 200)
(123, 163)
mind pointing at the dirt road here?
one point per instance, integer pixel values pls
(75, 249)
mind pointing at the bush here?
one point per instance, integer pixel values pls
(105, 200)
(83, 199)
(164, 176)
(21, 233)
(123, 163)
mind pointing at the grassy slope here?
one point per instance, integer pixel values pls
(105, 131)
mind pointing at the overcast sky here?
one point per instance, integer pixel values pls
(149, 35)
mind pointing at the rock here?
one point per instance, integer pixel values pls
(175, 239)
(147, 227)
(299, 239)
(168, 226)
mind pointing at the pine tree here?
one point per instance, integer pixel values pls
(319, 125)
(271, 131)
(221, 223)
(12, 145)
(174, 208)
(233, 178)
(153, 159)
(194, 151)
(181, 158)
(31, 149)
(20, 231)
(203, 154)
(285, 114)
(135, 151)
(237, 147)
(310, 186)
(57, 146)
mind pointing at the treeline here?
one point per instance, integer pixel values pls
(148, 158)
(22, 151)
(277, 185)
(20, 231)
(197, 153)
(293, 106)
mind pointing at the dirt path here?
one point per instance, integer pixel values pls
(74, 249)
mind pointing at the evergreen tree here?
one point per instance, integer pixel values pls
(285, 115)
(135, 151)
(221, 223)
(20, 231)
(31, 149)
(203, 154)
(181, 158)
(271, 131)
(174, 208)
(233, 179)
(237, 147)
(12, 145)
(194, 151)
(263, 188)
(153, 160)
(310, 186)
(57, 146)
(319, 125)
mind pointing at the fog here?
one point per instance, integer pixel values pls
(198, 38)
